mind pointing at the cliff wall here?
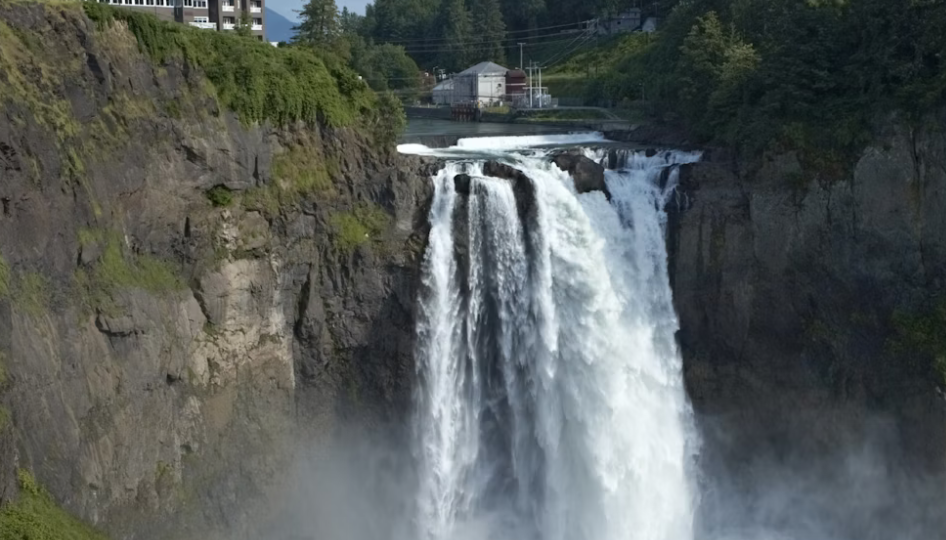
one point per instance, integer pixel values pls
(812, 311)
(185, 298)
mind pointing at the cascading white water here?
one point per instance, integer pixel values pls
(550, 404)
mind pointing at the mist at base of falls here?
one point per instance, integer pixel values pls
(550, 403)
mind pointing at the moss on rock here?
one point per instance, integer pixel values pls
(364, 223)
(35, 516)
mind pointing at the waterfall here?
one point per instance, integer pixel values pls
(550, 399)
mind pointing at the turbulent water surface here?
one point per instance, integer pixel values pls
(551, 403)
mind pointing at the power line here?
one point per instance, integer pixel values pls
(585, 38)
(513, 32)
(509, 41)
(485, 46)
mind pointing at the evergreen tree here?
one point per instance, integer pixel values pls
(489, 30)
(320, 26)
(457, 25)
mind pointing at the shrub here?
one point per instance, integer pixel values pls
(220, 196)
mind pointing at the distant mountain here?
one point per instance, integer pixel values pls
(278, 28)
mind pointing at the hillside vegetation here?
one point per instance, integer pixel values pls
(258, 81)
(812, 75)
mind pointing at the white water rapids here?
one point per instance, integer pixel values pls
(550, 403)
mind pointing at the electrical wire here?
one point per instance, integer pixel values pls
(484, 47)
(513, 32)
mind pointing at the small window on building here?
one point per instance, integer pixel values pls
(201, 19)
(259, 38)
(258, 22)
(149, 2)
(201, 4)
(229, 20)
(188, 3)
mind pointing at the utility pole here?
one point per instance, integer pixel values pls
(530, 85)
(521, 66)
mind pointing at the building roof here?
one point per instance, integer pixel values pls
(445, 85)
(485, 68)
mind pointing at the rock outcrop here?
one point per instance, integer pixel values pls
(587, 175)
(178, 309)
(810, 308)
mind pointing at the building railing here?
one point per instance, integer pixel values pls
(256, 9)
(228, 8)
(256, 27)
(228, 26)
(204, 25)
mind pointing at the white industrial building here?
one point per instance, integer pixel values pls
(443, 93)
(484, 83)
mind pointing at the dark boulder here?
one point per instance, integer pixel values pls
(461, 183)
(587, 175)
(501, 170)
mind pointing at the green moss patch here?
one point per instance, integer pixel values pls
(363, 224)
(35, 516)
(117, 270)
(26, 79)
(922, 333)
(4, 278)
(305, 170)
(32, 293)
(301, 171)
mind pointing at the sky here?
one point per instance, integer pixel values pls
(286, 7)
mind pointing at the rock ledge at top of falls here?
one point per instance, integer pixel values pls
(587, 175)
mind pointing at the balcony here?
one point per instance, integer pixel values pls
(204, 25)
(257, 28)
(256, 9)
(228, 8)
(228, 26)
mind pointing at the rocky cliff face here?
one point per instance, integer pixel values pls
(184, 298)
(812, 310)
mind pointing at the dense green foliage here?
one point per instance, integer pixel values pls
(809, 75)
(454, 34)
(34, 516)
(258, 81)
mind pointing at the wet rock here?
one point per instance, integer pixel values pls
(461, 183)
(587, 175)
(501, 170)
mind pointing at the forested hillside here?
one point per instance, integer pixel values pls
(394, 37)
(803, 74)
